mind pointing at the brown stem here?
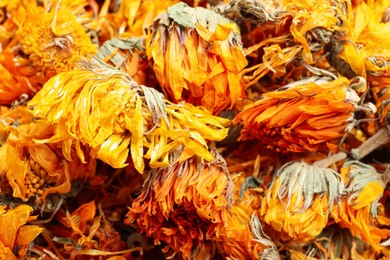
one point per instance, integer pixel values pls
(324, 163)
(380, 138)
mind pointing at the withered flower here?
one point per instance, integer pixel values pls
(41, 38)
(15, 235)
(299, 200)
(55, 36)
(185, 205)
(34, 170)
(360, 212)
(363, 45)
(241, 235)
(129, 18)
(87, 232)
(299, 117)
(197, 57)
(105, 109)
(127, 55)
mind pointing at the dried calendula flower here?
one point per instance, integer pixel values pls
(197, 57)
(86, 231)
(105, 109)
(129, 18)
(19, 78)
(127, 55)
(363, 47)
(298, 30)
(34, 170)
(335, 243)
(260, 12)
(300, 116)
(241, 236)
(15, 235)
(359, 211)
(185, 205)
(55, 36)
(300, 199)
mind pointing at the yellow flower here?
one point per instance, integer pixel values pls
(33, 170)
(15, 235)
(241, 235)
(106, 110)
(129, 18)
(299, 117)
(197, 57)
(292, 30)
(367, 50)
(184, 206)
(359, 211)
(299, 201)
(55, 38)
(127, 55)
(338, 243)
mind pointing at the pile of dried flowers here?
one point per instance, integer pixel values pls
(146, 129)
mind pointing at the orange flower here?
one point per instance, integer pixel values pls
(129, 18)
(366, 50)
(105, 109)
(55, 36)
(292, 30)
(241, 235)
(15, 235)
(127, 55)
(299, 201)
(11, 117)
(34, 170)
(184, 206)
(299, 117)
(359, 212)
(197, 57)
(40, 41)
(337, 243)
(85, 232)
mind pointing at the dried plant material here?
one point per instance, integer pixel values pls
(119, 18)
(335, 243)
(55, 38)
(34, 170)
(317, 114)
(127, 55)
(364, 187)
(15, 235)
(260, 12)
(185, 205)
(116, 117)
(197, 57)
(300, 199)
(92, 93)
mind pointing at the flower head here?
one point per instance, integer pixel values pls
(56, 38)
(129, 18)
(359, 211)
(127, 55)
(15, 235)
(105, 109)
(197, 57)
(86, 231)
(184, 206)
(242, 236)
(299, 117)
(364, 43)
(34, 170)
(300, 199)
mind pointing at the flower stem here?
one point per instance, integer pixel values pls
(380, 138)
(324, 163)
